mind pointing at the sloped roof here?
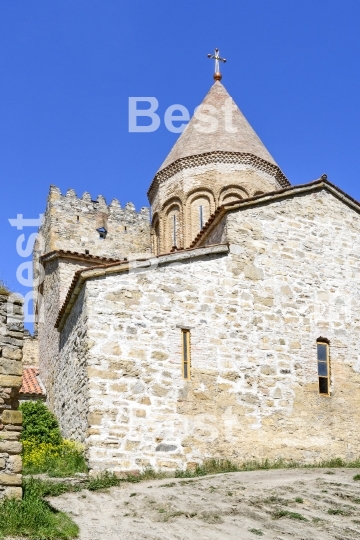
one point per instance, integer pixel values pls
(273, 196)
(31, 385)
(193, 142)
(75, 255)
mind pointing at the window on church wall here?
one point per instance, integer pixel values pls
(323, 364)
(185, 339)
(157, 239)
(173, 229)
(200, 213)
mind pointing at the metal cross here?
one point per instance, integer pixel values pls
(217, 58)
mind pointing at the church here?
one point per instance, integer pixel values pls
(223, 324)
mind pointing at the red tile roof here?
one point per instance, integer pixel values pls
(30, 384)
(75, 255)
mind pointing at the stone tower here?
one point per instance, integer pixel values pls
(77, 233)
(218, 158)
(92, 226)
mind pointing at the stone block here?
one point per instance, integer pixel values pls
(10, 435)
(12, 417)
(252, 272)
(15, 463)
(10, 367)
(12, 353)
(10, 380)
(11, 447)
(10, 479)
(13, 492)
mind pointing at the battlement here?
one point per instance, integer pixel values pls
(86, 203)
(92, 226)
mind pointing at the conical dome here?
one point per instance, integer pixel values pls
(229, 135)
(217, 159)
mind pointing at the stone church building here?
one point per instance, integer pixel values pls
(225, 323)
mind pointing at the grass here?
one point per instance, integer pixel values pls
(258, 532)
(66, 461)
(339, 512)
(34, 518)
(277, 514)
(356, 477)
(299, 500)
(220, 466)
(105, 480)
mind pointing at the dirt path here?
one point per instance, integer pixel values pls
(239, 506)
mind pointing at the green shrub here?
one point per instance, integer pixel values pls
(64, 459)
(39, 424)
(44, 450)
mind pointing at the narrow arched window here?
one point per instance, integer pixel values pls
(185, 338)
(157, 239)
(323, 365)
(174, 230)
(201, 217)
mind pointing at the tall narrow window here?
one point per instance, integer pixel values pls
(157, 239)
(185, 335)
(174, 230)
(323, 367)
(201, 219)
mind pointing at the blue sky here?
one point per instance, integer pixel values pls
(67, 70)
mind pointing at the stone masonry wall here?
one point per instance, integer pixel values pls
(11, 343)
(58, 275)
(30, 349)
(71, 223)
(292, 275)
(70, 376)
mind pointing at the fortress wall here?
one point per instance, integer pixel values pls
(11, 344)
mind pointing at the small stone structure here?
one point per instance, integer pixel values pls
(30, 349)
(11, 345)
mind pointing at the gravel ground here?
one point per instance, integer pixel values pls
(304, 504)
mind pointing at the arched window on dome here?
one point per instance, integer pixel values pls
(156, 236)
(173, 239)
(200, 213)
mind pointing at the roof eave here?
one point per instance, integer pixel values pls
(273, 196)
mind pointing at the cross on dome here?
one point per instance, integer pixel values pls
(217, 58)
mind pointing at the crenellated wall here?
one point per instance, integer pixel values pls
(72, 223)
(11, 344)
